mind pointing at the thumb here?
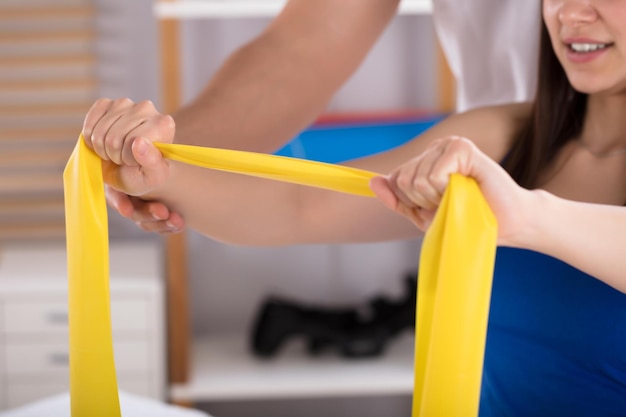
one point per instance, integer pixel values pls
(420, 217)
(153, 167)
(152, 170)
(145, 153)
(380, 187)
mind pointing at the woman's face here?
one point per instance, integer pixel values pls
(589, 39)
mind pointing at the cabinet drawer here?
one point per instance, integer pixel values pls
(52, 358)
(23, 392)
(23, 317)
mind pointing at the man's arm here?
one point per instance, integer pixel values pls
(271, 88)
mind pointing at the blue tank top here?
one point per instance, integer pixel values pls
(556, 341)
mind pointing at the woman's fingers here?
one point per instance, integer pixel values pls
(415, 188)
(151, 170)
(106, 131)
(154, 168)
(120, 201)
(156, 127)
(122, 133)
(150, 216)
(111, 126)
(414, 179)
(455, 158)
(173, 223)
(382, 188)
(412, 182)
(94, 115)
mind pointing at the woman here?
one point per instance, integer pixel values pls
(558, 316)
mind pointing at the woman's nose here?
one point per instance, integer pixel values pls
(576, 12)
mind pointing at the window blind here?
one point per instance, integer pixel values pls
(47, 83)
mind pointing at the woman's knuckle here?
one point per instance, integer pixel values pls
(122, 102)
(145, 106)
(404, 181)
(420, 183)
(436, 143)
(168, 121)
(97, 134)
(438, 181)
(164, 121)
(463, 142)
(115, 143)
(143, 225)
(102, 102)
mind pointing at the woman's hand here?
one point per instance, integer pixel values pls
(415, 188)
(121, 132)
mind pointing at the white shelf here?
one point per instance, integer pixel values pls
(224, 370)
(197, 9)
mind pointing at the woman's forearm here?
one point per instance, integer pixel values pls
(242, 210)
(590, 237)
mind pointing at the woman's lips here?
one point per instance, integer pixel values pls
(583, 50)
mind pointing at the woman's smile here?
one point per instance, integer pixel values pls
(581, 50)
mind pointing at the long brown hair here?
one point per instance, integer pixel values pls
(557, 117)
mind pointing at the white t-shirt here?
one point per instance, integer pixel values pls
(492, 48)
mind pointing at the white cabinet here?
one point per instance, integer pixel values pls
(34, 358)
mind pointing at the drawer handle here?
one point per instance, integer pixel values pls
(59, 358)
(58, 317)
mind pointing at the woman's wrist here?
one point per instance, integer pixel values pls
(540, 220)
(533, 218)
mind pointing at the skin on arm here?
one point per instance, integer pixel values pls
(273, 87)
(590, 237)
(250, 211)
(415, 189)
(244, 210)
(131, 121)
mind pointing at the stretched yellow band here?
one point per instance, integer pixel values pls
(454, 288)
(453, 297)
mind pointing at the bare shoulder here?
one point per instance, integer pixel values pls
(491, 128)
(503, 116)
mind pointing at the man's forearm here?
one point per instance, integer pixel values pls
(255, 102)
(273, 87)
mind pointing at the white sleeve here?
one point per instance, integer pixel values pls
(491, 47)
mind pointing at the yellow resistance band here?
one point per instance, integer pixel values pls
(453, 295)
